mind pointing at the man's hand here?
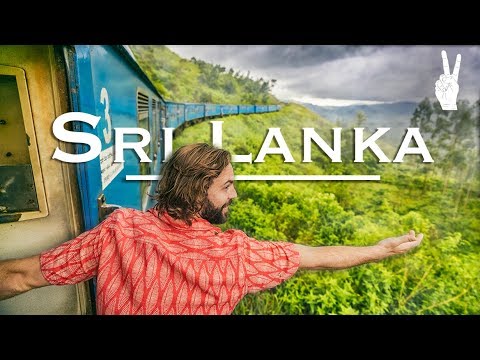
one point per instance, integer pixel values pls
(446, 88)
(342, 257)
(401, 244)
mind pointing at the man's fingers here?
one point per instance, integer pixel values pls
(456, 69)
(446, 66)
(403, 242)
(408, 245)
(412, 237)
(412, 242)
(396, 241)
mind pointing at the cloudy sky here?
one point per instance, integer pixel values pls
(346, 74)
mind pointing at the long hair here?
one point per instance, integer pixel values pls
(186, 177)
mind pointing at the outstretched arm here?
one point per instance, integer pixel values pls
(20, 275)
(341, 257)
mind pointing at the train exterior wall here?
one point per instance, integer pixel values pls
(110, 88)
(103, 81)
(46, 83)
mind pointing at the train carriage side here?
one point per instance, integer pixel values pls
(194, 111)
(45, 201)
(39, 202)
(113, 87)
(229, 109)
(261, 108)
(246, 109)
(175, 114)
(212, 110)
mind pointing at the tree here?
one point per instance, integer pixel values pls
(449, 135)
(360, 119)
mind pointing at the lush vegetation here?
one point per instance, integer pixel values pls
(181, 80)
(442, 276)
(440, 199)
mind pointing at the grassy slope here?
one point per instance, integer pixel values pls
(181, 80)
(441, 277)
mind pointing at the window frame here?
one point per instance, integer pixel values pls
(25, 105)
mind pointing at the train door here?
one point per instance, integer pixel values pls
(39, 199)
(108, 88)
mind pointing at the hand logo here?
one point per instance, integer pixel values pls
(446, 88)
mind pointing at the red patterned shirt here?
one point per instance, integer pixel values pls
(150, 265)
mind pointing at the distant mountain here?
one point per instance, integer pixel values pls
(396, 116)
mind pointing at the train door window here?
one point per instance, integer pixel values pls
(143, 120)
(22, 194)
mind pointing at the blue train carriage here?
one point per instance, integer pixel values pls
(194, 111)
(213, 110)
(111, 85)
(44, 202)
(228, 110)
(273, 108)
(175, 114)
(261, 108)
(246, 109)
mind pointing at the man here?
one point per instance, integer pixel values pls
(171, 259)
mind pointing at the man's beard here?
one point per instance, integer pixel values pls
(213, 214)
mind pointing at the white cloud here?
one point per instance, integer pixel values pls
(348, 73)
(333, 102)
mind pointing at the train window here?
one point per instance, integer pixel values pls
(143, 121)
(22, 195)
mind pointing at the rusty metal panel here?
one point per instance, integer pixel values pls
(17, 189)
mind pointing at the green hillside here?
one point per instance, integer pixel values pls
(440, 199)
(194, 80)
(440, 277)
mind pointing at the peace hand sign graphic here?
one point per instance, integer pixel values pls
(446, 88)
